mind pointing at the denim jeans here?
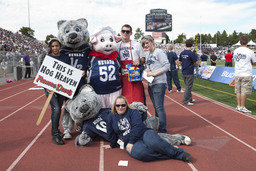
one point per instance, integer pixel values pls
(188, 80)
(151, 147)
(56, 104)
(173, 75)
(157, 93)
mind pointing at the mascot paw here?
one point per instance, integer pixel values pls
(140, 106)
(83, 140)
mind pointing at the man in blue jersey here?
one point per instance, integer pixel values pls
(187, 60)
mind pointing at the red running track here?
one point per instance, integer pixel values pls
(223, 139)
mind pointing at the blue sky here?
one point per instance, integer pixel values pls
(189, 16)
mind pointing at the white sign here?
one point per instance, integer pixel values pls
(58, 76)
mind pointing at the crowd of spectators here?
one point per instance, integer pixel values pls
(18, 44)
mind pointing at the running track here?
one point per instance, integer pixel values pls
(223, 139)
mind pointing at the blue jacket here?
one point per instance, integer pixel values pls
(127, 127)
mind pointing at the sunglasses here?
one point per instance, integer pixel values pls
(118, 105)
(126, 31)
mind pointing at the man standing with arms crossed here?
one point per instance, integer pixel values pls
(130, 52)
(244, 58)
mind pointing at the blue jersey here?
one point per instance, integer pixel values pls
(104, 75)
(97, 126)
(172, 57)
(79, 60)
(188, 58)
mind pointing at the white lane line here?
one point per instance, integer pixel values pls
(20, 108)
(226, 106)
(192, 166)
(13, 95)
(18, 85)
(214, 125)
(28, 147)
(101, 164)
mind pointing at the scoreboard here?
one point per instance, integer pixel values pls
(158, 20)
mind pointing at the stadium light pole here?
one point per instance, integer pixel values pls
(28, 15)
(200, 37)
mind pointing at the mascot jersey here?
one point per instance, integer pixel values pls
(129, 52)
(104, 74)
(97, 126)
(79, 60)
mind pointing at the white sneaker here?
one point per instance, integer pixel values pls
(186, 140)
(189, 104)
(169, 91)
(181, 91)
(238, 108)
(245, 110)
(67, 135)
(193, 100)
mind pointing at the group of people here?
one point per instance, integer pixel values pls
(136, 137)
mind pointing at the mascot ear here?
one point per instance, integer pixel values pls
(60, 23)
(117, 38)
(83, 21)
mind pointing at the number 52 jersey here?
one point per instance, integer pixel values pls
(104, 75)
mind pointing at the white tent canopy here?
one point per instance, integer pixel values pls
(251, 43)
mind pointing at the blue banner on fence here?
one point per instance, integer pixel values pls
(223, 74)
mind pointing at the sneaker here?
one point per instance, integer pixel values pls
(186, 157)
(180, 91)
(67, 135)
(189, 104)
(169, 91)
(57, 139)
(245, 110)
(186, 140)
(238, 108)
(193, 100)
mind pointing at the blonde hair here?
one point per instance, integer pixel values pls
(128, 106)
(170, 47)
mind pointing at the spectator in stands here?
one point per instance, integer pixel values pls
(187, 60)
(172, 74)
(204, 59)
(244, 58)
(26, 60)
(213, 59)
(228, 59)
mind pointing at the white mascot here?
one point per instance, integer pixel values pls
(104, 65)
(73, 35)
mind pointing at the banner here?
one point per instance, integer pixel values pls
(58, 76)
(222, 74)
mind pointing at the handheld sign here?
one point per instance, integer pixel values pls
(58, 77)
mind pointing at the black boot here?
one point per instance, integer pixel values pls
(57, 139)
(186, 157)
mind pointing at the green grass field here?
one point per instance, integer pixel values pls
(220, 92)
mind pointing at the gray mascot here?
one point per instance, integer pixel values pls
(73, 35)
(86, 107)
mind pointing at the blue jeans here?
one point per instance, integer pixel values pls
(173, 75)
(157, 93)
(56, 104)
(151, 147)
(188, 80)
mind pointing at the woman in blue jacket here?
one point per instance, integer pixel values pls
(125, 127)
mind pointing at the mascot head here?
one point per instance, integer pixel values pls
(73, 33)
(104, 40)
(85, 105)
